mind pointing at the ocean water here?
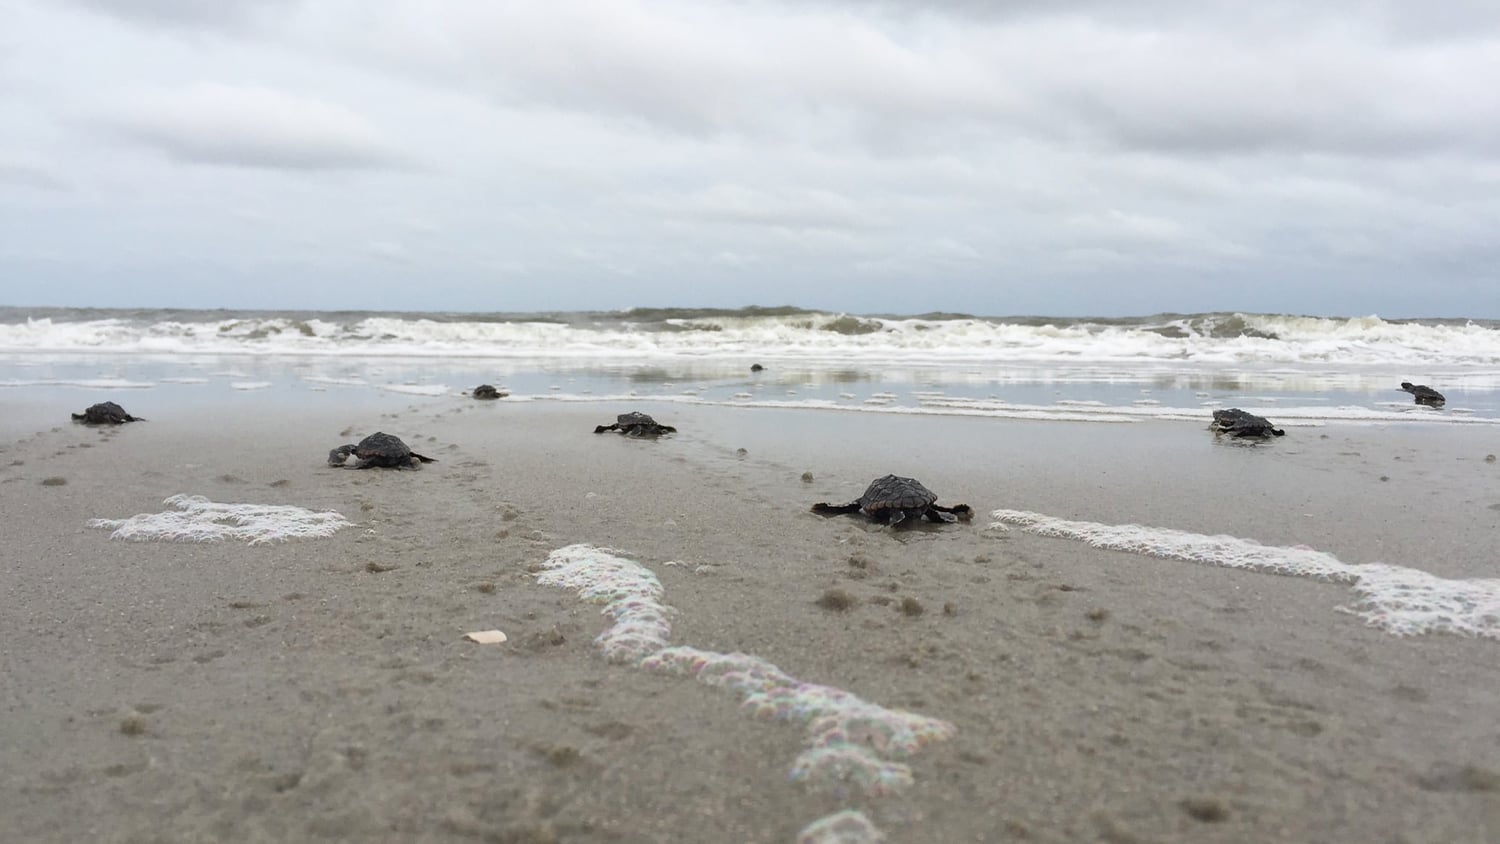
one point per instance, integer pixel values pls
(1298, 371)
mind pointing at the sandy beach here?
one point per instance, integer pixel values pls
(321, 688)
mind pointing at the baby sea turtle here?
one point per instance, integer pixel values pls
(488, 391)
(1239, 423)
(378, 449)
(894, 499)
(636, 424)
(1424, 395)
(105, 413)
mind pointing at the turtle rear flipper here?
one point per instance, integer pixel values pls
(935, 514)
(337, 456)
(824, 509)
(423, 458)
(895, 516)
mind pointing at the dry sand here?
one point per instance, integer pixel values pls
(321, 689)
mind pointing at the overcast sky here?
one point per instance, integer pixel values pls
(1061, 157)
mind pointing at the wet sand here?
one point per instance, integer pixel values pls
(321, 689)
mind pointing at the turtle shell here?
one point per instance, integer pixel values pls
(380, 444)
(893, 492)
(634, 417)
(104, 413)
(1243, 423)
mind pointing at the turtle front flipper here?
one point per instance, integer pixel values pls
(599, 429)
(959, 511)
(824, 509)
(938, 514)
(895, 516)
(337, 456)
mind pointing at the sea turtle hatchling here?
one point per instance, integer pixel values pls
(1424, 395)
(378, 450)
(489, 391)
(105, 413)
(894, 499)
(636, 424)
(1239, 423)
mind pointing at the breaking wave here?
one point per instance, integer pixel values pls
(769, 333)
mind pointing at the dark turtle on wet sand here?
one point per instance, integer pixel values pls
(894, 499)
(636, 424)
(488, 391)
(105, 413)
(1239, 423)
(378, 450)
(1424, 395)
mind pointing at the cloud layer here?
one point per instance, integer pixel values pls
(1067, 158)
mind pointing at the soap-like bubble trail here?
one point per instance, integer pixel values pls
(848, 738)
(846, 735)
(847, 826)
(629, 591)
(196, 519)
(1399, 600)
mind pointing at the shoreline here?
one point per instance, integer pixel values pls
(320, 688)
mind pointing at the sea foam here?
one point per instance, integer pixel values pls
(196, 519)
(852, 745)
(1399, 600)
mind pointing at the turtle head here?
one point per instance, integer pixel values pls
(337, 456)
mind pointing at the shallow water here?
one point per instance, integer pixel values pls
(33, 385)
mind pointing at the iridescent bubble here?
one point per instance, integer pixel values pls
(848, 826)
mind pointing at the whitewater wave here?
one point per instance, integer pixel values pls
(783, 334)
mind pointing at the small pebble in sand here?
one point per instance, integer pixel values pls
(133, 725)
(1098, 614)
(54, 481)
(1206, 809)
(740, 452)
(1489, 458)
(912, 607)
(807, 477)
(377, 568)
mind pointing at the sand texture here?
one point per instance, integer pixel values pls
(321, 688)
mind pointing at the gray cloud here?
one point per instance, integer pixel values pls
(254, 127)
(27, 174)
(1274, 79)
(190, 14)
